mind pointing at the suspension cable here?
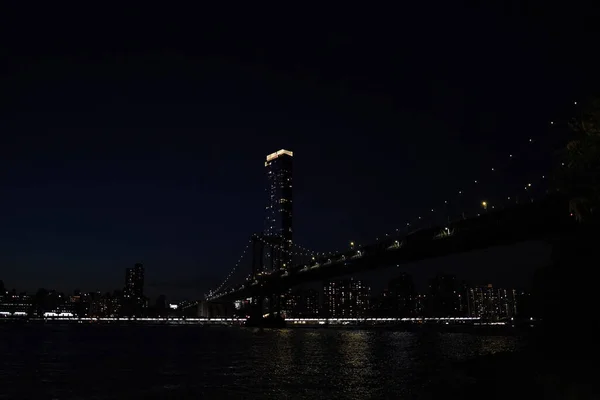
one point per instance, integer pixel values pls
(213, 292)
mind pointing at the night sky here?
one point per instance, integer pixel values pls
(140, 135)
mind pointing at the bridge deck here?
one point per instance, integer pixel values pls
(520, 223)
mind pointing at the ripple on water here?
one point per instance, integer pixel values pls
(99, 362)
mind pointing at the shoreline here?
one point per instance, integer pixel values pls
(504, 330)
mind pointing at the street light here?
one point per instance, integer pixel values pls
(484, 205)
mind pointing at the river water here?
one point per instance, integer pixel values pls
(181, 362)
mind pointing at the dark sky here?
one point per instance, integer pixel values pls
(140, 135)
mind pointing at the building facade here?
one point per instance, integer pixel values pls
(278, 221)
(492, 304)
(15, 304)
(134, 302)
(299, 303)
(345, 298)
(134, 281)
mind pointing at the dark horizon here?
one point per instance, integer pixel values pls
(145, 142)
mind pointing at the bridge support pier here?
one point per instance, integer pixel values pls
(257, 307)
(275, 304)
(257, 312)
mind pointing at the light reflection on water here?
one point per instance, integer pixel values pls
(114, 362)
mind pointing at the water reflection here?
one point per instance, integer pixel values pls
(452, 346)
(195, 362)
(284, 364)
(356, 364)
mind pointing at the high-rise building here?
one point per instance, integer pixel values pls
(278, 221)
(492, 304)
(481, 301)
(524, 305)
(507, 303)
(345, 298)
(301, 303)
(134, 282)
(133, 303)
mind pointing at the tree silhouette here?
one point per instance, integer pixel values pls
(580, 177)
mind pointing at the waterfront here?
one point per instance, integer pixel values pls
(114, 362)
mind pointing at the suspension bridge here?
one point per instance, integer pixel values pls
(543, 219)
(271, 262)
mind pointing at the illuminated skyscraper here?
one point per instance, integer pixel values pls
(347, 298)
(134, 282)
(278, 221)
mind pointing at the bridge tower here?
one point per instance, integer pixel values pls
(264, 247)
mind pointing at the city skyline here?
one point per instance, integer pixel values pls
(278, 223)
(337, 298)
(126, 152)
(296, 202)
